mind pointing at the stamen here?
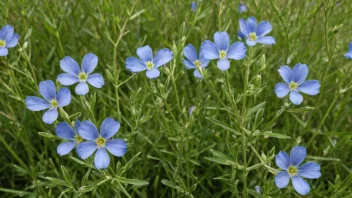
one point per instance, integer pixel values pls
(252, 36)
(222, 54)
(150, 65)
(2, 43)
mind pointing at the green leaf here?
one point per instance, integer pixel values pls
(129, 164)
(135, 182)
(253, 110)
(276, 135)
(218, 160)
(48, 135)
(66, 175)
(57, 181)
(223, 125)
(300, 110)
(172, 185)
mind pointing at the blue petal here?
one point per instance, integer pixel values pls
(242, 8)
(135, 65)
(36, 104)
(347, 55)
(252, 24)
(63, 97)
(101, 159)
(240, 35)
(13, 41)
(162, 57)
(300, 73)
(86, 149)
(257, 188)
(209, 50)
(223, 64)
(188, 64)
(286, 73)
(197, 74)
(297, 155)
(50, 116)
(244, 27)
(193, 6)
(47, 89)
(203, 60)
(237, 51)
(109, 128)
(145, 53)
(296, 98)
(300, 185)
(310, 87)
(310, 170)
(89, 62)
(281, 89)
(65, 147)
(6, 32)
(264, 28)
(3, 51)
(65, 131)
(153, 73)
(88, 130)
(266, 40)
(70, 66)
(250, 42)
(96, 80)
(67, 79)
(222, 40)
(116, 147)
(282, 160)
(350, 46)
(82, 88)
(190, 53)
(77, 125)
(281, 179)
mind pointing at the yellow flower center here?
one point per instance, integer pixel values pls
(292, 170)
(197, 63)
(82, 76)
(293, 86)
(150, 65)
(101, 141)
(222, 54)
(2, 43)
(252, 36)
(54, 103)
(78, 139)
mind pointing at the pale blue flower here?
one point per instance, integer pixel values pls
(193, 6)
(8, 39)
(348, 55)
(256, 33)
(242, 7)
(193, 60)
(65, 131)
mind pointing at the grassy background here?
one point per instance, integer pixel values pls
(172, 151)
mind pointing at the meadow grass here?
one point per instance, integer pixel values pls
(225, 148)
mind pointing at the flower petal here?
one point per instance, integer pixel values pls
(190, 53)
(70, 66)
(197, 74)
(310, 87)
(36, 104)
(135, 65)
(222, 40)
(350, 46)
(145, 53)
(50, 116)
(101, 159)
(286, 73)
(223, 64)
(281, 179)
(89, 62)
(3, 51)
(86, 149)
(209, 50)
(88, 130)
(297, 155)
(264, 28)
(153, 73)
(252, 24)
(300, 185)
(188, 64)
(348, 55)
(109, 128)
(282, 160)
(237, 51)
(6, 32)
(82, 88)
(13, 41)
(266, 40)
(240, 35)
(47, 89)
(310, 170)
(203, 60)
(67, 79)
(77, 125)
(63, 97)
(296, 98)
(300, 73)
(250, 42)
(281, 89)
(162, 57)
(244, 27)
(65, 131)
(65, 147)
(96, 80)
(116, 147)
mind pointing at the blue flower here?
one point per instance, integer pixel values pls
(100, 142)
(52, 100)
(291, 169)
(191, 110)
(295, 83)
(147, 62)
(8, 39)
(193, 6)
(222, 50)
(65, 131)
(194, 61)
(75, 74)
(256, 33)
(242, 7)
(258, 189)
(349, 53)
